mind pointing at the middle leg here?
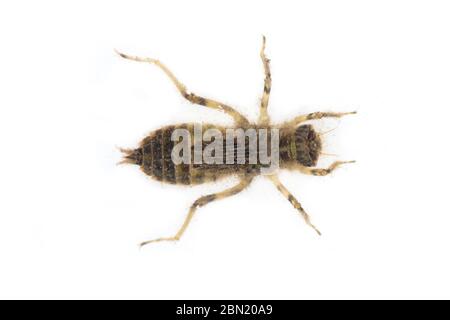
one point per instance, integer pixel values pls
(293, 201)
(263, 115)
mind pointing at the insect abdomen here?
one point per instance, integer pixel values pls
(155, 158)
(157, 161)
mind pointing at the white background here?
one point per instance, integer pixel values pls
(71, 220)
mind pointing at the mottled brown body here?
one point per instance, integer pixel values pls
(299, 147)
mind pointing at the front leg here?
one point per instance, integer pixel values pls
(316, 116)
(192, 97)
(322, 171)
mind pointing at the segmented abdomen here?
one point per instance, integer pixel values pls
(157, 162)
(156, 156)
(156, 150)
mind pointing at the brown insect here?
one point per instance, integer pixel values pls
(299, 149)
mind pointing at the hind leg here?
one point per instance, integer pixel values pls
(200, 202)
(192, 97)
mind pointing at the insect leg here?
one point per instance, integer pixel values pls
(264, 116)
(200, 202)
(192, 97)
(292, 200)
(316, 116)
(322, 171)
